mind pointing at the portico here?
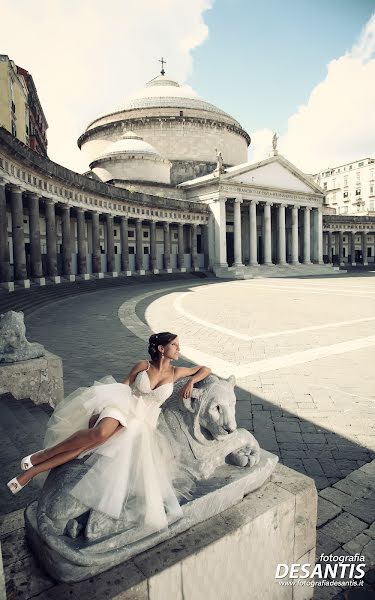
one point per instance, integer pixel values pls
(267, 213)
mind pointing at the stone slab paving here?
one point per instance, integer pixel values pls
(302, 350)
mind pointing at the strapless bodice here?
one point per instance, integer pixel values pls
(142, 387)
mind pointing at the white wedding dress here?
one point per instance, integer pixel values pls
(131, 474)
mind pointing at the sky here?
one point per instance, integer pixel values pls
(302, 68)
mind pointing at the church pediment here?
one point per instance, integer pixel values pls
(275, 172)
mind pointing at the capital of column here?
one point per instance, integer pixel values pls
(268, 203)
(306, 208)
(3, 181)
(238, 200)
(254, 202)
(15, 188)
(32, 195)
(281, 205)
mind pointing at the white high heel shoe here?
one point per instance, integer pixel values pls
(26, 462)
(15, 486)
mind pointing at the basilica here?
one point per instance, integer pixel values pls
(168, 188)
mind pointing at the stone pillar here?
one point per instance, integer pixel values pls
(281, 235)
(153, 252)
(306, 236)
(294, 260)
(341, 248)
(82, 245)
(253, 233)
(96, 254)
(237, 233)
(180, 255)
(352, 247)
(110, 249)
(66, 243)
(34, 236)
(52, 270)
(364, 247)
(267, 235)
(167, 248)
(205, 245)
(138, 247)
(124, 229)
(329, 247)
(19, 254)
(320, 236)
(194, 247)
(220, 232)
(5, 270)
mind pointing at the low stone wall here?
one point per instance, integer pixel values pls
(40, 379)
(233, 555)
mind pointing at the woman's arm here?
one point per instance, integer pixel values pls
(139, 366)
(195, 373)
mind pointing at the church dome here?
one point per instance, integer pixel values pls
(129, 143)
(173, 121)
(130, 158)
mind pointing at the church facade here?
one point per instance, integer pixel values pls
(168, 189)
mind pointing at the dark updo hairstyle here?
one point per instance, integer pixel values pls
(159, 339)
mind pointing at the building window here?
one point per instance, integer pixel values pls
(345, 180)
(360, 164)
(181, 113)
(115, 233)
(325, 186)
(358, 192)
(175, 236)
(145, 250)
(131, 250)
(344, 252)
(346, 194)
(145, 234)
(131, 234)
(368, 252)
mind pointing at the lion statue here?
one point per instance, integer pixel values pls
(203, 434)
(14, 346)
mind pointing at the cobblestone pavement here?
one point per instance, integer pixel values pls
(302, 351)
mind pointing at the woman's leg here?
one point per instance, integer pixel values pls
(81, 440)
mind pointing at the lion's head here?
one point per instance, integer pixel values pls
(213, 404)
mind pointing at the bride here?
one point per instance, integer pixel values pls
(131, 469)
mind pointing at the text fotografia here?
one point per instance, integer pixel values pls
(329, 566)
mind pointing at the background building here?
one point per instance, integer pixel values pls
(21, 112)
(349, 188)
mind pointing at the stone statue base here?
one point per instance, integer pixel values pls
(65, 559)
(40, 379)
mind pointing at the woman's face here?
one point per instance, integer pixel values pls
(172, 350)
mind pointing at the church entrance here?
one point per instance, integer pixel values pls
(230, 248)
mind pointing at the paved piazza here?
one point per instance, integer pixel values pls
(302, 351)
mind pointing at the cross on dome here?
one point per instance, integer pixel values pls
(162, 72)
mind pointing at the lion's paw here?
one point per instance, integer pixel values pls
(243, 457)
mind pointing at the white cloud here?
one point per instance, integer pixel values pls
(337, 124)
(87, 56)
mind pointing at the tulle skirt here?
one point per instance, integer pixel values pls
(131, 475)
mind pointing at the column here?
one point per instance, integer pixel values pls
(253, 233)
(352, 247)
(294, 260)
(267, 239)
(153, 253)
(96, 254)
(329, 247)
(110, 249)
(52, 270)
(167, 248)
(315, 236)
(5, 270)
(237, 233)
(364, 247)
(180, 255)
(306, 235)
(220, 232)
(320, 236)
(124, 229)
(66, 243)
(194, 247)
(341, 247)
(281, 235)
(205, 245)
(34, 236)
(19, 254)
(81, 243)
(138, 247)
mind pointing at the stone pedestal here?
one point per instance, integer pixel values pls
(40, 379)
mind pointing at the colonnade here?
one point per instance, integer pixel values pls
(333, 243)
(51, 209)
(268, 242)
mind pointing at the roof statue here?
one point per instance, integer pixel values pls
(274, 142)
(220, 162)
